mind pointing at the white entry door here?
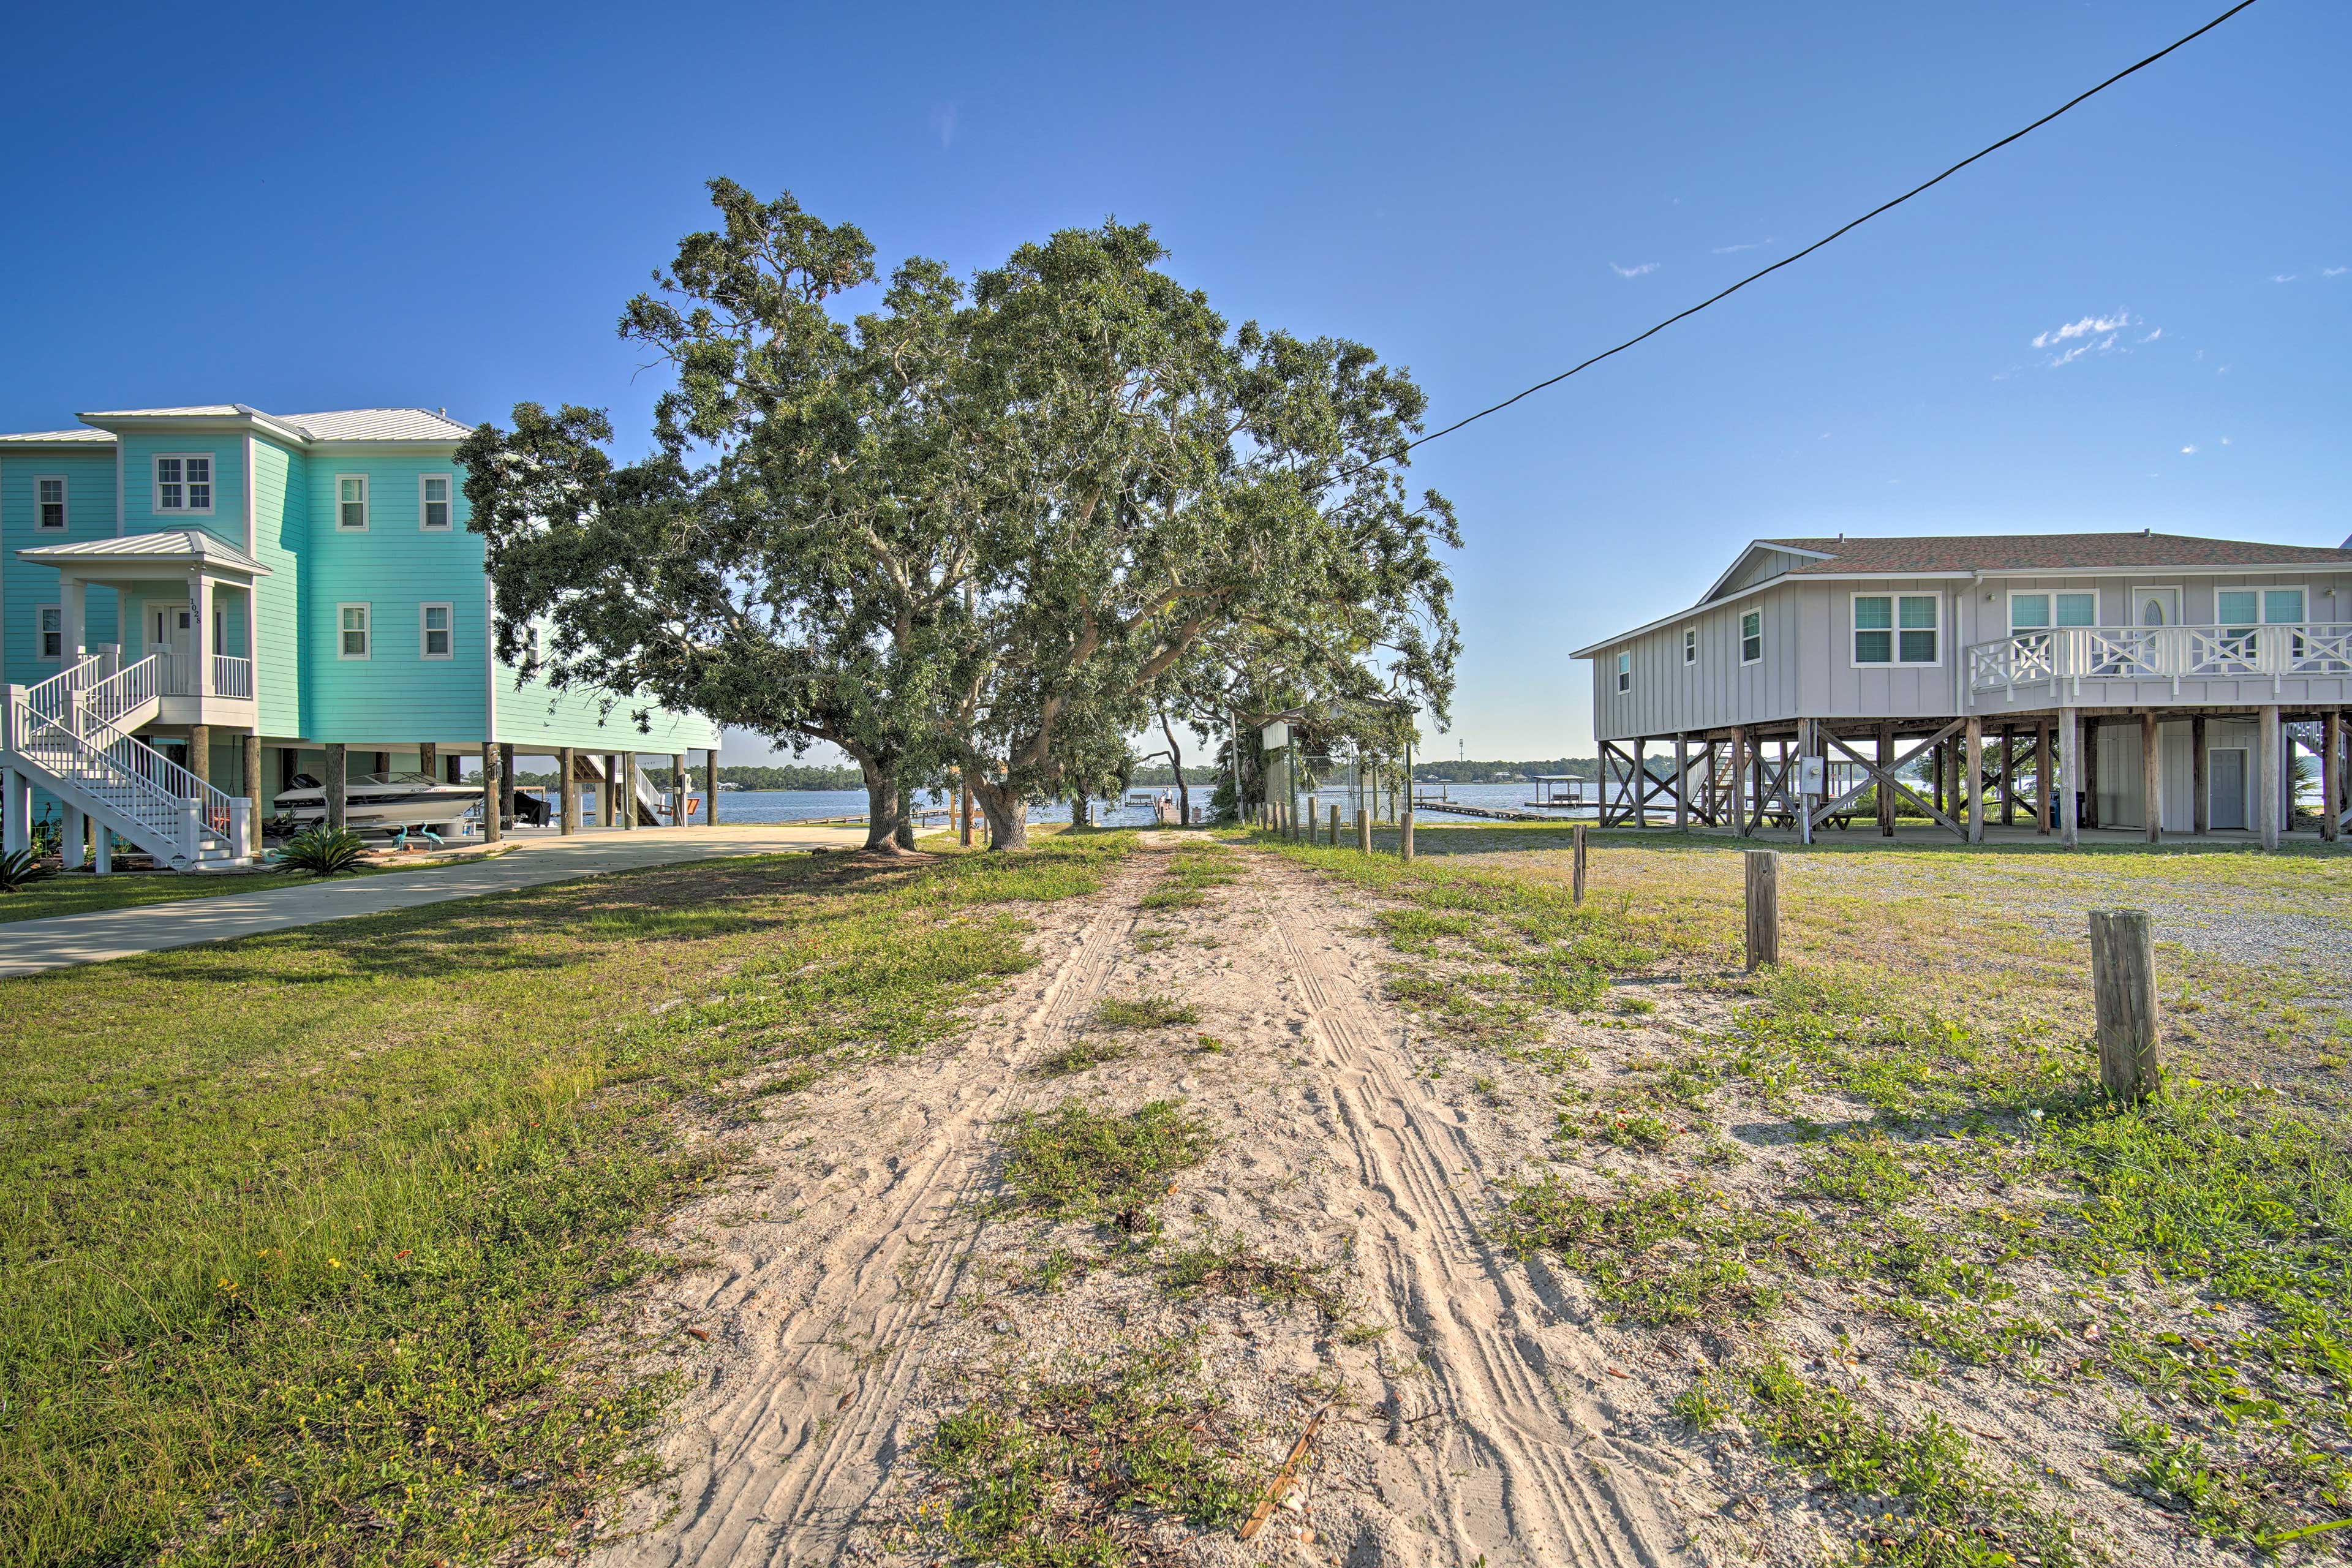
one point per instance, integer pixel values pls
(2225, 787)
(2156, 607)
(169, 628)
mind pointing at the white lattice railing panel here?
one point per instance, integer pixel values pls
(2174, 654)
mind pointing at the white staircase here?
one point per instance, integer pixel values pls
(72, 734)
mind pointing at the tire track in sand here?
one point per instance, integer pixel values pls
(1530, 1474)
(782, 1462)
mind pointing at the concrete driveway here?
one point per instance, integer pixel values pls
(30, 947)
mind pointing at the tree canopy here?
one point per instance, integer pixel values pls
(984, 531)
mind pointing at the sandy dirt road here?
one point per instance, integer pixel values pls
(854, 1287)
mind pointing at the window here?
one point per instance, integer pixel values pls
(433, 501)
(433, 631)
(353, 628)
(52, 632)
(2034, 612)
(1624, 672)
(1751, 636)
(49, 501)
(2281, 606)
(351, 503)
(1900, 628)
(183, 482)
(1690, 646)
(2242, 609)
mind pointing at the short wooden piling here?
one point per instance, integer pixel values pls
(1576, 836)
(1763, 908)
(1335, 826)
(2122, 990)
(1364, 830)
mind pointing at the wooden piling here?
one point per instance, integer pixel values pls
(2200, 817)
(1576, 836)
(1972, 778)
(339, 775)
(2123, 989)
(567, 791)
(1886, 796)
(1763, 908)
(2070, 775)
(2044, 788)
(493, 785)
(1335, 826)
(2331, 774)
(2151, 774)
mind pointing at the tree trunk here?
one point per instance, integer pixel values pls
(1176, 761)
(1007, 814)
(885, 809)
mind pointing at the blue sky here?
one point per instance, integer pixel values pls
(311, 208)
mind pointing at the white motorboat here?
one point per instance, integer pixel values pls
(382, 803)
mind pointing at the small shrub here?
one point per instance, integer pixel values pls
(20, 869)
(1080, 1055)
(323, 851)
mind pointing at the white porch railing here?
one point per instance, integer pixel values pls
(180, 672)
(2069, 656)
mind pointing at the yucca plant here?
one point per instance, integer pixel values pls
(323, 851)
(22, 868)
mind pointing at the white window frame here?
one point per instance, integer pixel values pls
(41, 613)
(448, 629)
(1894, 597)
(2054, 596)
(65, 496)
(211, 483)
(448, 523)
(1759, 614)
(1624, 673)
(1690, 644)
(2263, 603)
(366, 507)
(366, 631)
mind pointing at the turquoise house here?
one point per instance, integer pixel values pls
(199, 605)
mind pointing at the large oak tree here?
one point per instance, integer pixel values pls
(977, 531)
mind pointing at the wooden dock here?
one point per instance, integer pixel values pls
(1491, 813)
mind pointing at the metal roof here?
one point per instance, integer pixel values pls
(58, 437)
(188, 546)
(338, 424)
(378, 425)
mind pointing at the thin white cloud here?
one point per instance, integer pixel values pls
(2188, 451)
(2225, 440)
(1634, 271)
(2334, 271)
(2153, 336)
(943, 124)
(2088, 327)
(2079, 350)
(1751, 244)
(2283, 277)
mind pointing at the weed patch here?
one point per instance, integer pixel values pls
(1659, 1255)
(1076, 1163)
(1147, 1012)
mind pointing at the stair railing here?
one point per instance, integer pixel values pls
(134, 780)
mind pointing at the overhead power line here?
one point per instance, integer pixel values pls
(1800, 256)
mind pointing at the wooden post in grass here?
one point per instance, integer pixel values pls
(1576, 836)
(1763, 908)
(1335, 826)
(2151, 774)
(1363, 829)
(2123, 988)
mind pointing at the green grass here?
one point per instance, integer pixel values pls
(1984, 1205)
(1230, 1266)
(1935, 1504)
(1077, 1163)
(1080, 1055)
(1042, 1470)
(76, 892)
(305, 1237)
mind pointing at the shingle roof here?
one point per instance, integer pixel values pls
(2045, 552)
(164, 544)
